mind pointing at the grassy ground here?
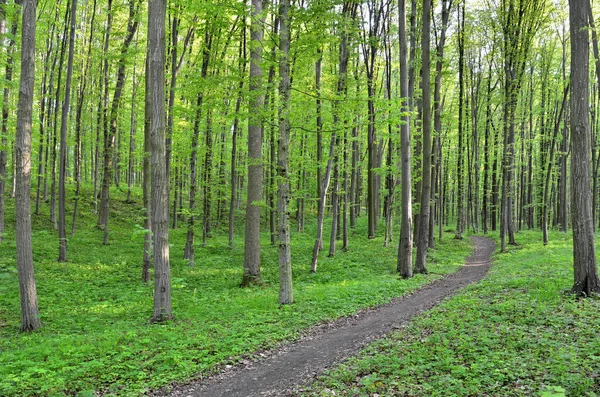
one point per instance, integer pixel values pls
(95, 310)
(516, 333)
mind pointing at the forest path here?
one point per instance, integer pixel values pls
(299, 363)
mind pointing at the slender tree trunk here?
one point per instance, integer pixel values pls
(405, 245)
(5, 108)
(189, 251)
(334, 201)
(286, 295)
(147, 181)
(318, 68)
(255, 168)
(79, 112)
(459, 166)
(234, 133)
(132, 131)
(349, 11)
(438, 106)
(171, 103)
(30, 317)
(110, 131)
(102, 128)
(549, 168)
(486, 152)
(207, 180)
(62, 220)
(160, 199)
(44, 108)
(57, 102)
(423, 237)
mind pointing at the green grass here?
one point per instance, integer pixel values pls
(516, 333)
(96, 336)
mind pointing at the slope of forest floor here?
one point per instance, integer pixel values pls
(515, 333)
(96, 338)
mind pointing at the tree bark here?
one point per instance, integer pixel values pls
(423, 237)
(286, 295)
(234, 138)
(348, 11)
(110, 130)
(549, 169)
(62, 220)
(147, 180)
(255, 168)
(584, 253)
(189, 251)
(160, 198)
(78, 115)
(5, 109)
(405, 245)
(30, 317)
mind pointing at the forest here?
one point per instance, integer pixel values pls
(186, 185)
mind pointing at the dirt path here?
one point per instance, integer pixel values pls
(298, 363)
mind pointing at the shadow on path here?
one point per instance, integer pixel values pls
(298, 363)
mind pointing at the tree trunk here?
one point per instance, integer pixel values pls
(53, 218)
(207, 180)
(255, 168)
(132, 131)
(234, 134)
(405, 245)
(80, 100)
(423, 237)
(110, 131)
(286, 295)
(62, 221)
(318, 67)
(160, 199)
(30, 317)
(459, 166)
(438, 107)
(549, 168)
(584, 254)
(5, 108)
(349, 11)
(147, 181)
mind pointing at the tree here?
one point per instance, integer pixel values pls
(160, 195)
(286, 295)
(5, 110)
(110, 127)
(459, 158)
(189, 251)
(406, 234)
(30, 317)
(255, 168)
(62, 221)
(348, 12)
(584, 253)
(520, 20)
(423, 235)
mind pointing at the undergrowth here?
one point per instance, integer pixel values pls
(96, 337)
(516, 333)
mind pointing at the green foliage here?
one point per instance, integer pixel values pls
(515, 333)
(96, 336)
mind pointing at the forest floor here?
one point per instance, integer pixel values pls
(288, 368)
(96, 338)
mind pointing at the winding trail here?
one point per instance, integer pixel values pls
(298, 363)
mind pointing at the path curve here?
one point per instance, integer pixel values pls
(300, 362)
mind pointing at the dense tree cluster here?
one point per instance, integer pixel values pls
(286, 110)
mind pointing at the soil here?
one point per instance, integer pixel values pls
(293, 365)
